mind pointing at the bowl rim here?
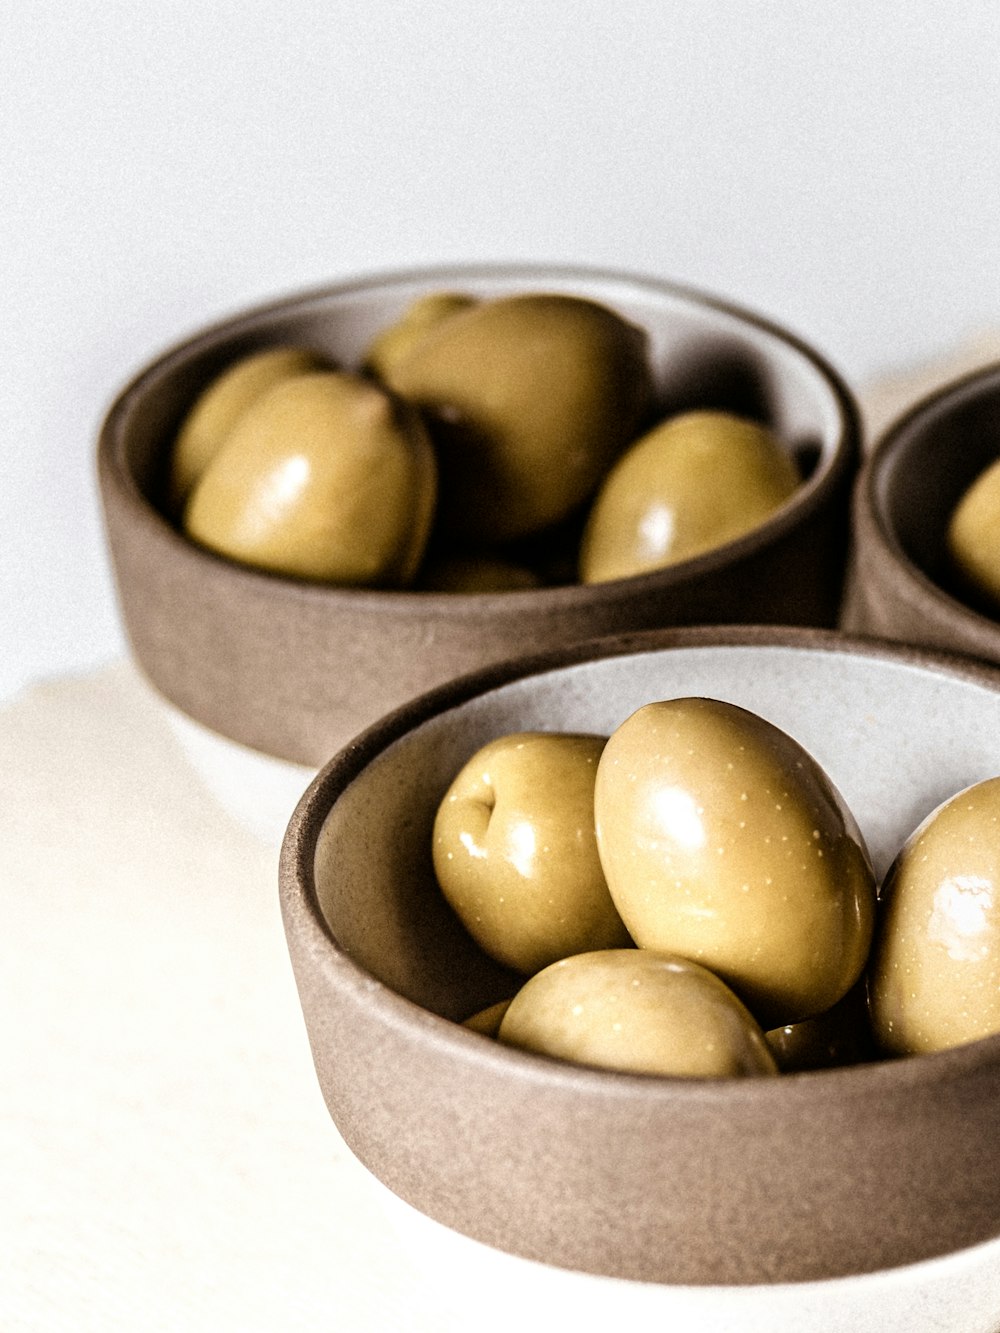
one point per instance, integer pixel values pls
(299, 897)
(832, 472)
(871, 494)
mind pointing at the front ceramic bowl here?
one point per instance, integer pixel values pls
(295, 669)
(803, 1178)
(901, 585)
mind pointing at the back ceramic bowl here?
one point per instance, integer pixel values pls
(292, 670)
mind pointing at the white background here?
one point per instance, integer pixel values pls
(832, 166)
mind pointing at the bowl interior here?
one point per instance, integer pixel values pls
(895, 731)
(926, 463)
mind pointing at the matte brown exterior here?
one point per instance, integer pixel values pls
(294, 670)
(805, 1177)
(899, 585)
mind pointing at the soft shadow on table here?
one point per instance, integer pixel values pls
(167, 1160)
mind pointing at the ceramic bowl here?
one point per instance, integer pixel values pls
(293, 670)
(900, 585)
(674, 1192)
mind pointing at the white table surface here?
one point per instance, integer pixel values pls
(166, 1159)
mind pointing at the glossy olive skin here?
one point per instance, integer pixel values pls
(530, 398)
(841, 1036)
(637, 1011)
(934, 977)
(487, 1021)
(973, 535)
(515, 853)
(325, 477)
(474, 574)
(395, 343)
(690, 484)
(219, 406)
(724, 841)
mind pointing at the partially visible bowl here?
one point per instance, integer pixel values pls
(294, 670)
(900, 584)
(863, 1175)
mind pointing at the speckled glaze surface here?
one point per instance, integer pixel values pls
(899, 584)
(294, 670)
(805, 1177)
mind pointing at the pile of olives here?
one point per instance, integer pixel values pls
(477, 438)
(691, 896)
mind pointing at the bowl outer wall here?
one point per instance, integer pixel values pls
(294, 670)
(891, 593)
(807, 1177)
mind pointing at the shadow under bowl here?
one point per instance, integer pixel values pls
(802, 1178)
(294, 670)
(901, 584)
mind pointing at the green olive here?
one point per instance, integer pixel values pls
(530, 398)
(487, 1021)
(934, 977)
(638, 1011)
(395, 343)
(973, 536)
(841, 1036)
(325, 477)
(723, 840)
(690, 484)
(472, 574)
(219, 406)
(515, 853)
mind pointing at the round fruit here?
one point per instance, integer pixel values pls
(974, 534)
(690, 484)
(472, 574)
(396, 342)
(638, 1011)
(722, 840)
(934, 979)
(530, 398)
(325, 477)
(219, 406)
(487, 1021)
(515, 853)
(841, 1036)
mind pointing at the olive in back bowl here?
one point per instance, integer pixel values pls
(293, 669)
(907, 581)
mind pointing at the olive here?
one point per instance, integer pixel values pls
(529, 398)
(639, 1011)
(219, 406)
(326, 477)
(690, 484)
(487, 1021)
(973, 535)
(472, 574)
(841, 1036)
(724, 841)
(515, 853)
(934, 977)
(398, 340)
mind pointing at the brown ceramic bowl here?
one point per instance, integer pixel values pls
(900, 584)
(293, 670)
(808, 1178)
